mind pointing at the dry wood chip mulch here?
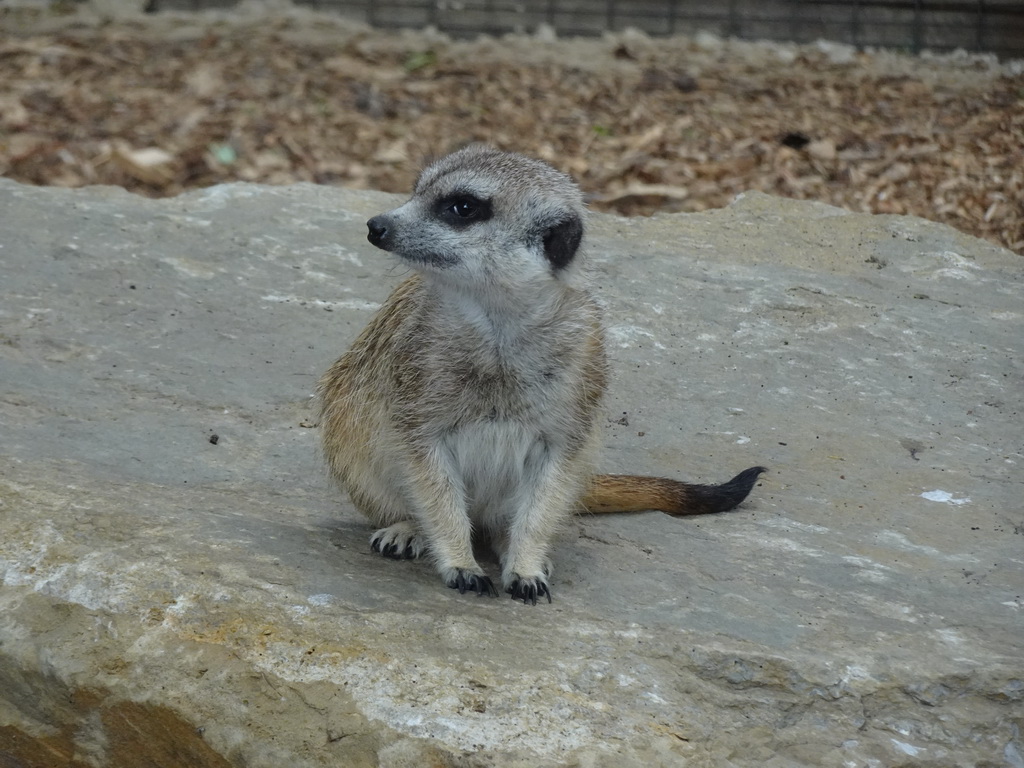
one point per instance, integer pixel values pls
(644, 125)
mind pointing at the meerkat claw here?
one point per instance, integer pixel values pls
(389, 550)
(399, 542)
(478, 583)
(528, 590)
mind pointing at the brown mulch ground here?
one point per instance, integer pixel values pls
(644, 125)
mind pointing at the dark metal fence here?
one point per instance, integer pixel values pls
(995, 26)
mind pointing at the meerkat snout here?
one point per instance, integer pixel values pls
(377, 231)
(470, 403)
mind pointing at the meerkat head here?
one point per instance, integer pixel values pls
(484, 217)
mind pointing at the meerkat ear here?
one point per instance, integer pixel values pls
(562, 240)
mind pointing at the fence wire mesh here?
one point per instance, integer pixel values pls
(994, 26)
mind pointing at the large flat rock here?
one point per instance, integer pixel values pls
(170, 600)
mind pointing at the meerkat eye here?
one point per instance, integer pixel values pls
(465, 209)
(460, 210)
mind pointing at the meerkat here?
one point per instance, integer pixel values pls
(469, 404)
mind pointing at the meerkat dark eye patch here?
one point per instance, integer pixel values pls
(562, 240)
(461, 210)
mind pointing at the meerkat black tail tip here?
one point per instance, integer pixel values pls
(727, 495)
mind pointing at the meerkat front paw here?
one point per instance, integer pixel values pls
(463, 580)
(528, 589)
(400, 541)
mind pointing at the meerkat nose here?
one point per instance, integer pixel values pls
(378, 230)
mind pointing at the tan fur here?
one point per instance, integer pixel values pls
(633, 493)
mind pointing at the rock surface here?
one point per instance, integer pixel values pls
(169, 599)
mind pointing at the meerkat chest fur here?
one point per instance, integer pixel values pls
(502, 385)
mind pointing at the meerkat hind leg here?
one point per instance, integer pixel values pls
(400, 541)
(399, 537)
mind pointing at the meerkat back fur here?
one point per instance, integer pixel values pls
(470, 402)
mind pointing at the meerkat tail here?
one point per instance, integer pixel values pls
(632, 493)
